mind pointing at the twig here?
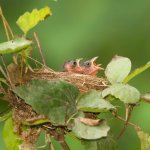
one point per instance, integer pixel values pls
(8, 77)
(122, 119)
(40, 49)
(7, 28)
(6, 25)
(129, 109)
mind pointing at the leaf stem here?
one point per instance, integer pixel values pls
(136, 72)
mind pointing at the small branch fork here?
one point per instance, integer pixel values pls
(124, 120)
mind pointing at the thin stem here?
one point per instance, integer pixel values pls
(122, 119)
(4, 23)
(8, 77)
(8, 26)
(40, 49)
(39, 63)
(129, 109)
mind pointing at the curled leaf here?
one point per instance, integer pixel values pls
(85, 131)
(15, 45)
(28, 20)
(90, 122)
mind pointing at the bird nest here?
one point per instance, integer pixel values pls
(82, 81)
(23, 112)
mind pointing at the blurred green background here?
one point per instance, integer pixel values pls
(88, 28)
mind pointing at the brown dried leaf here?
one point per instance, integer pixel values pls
(90, 122)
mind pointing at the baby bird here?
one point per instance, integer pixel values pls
(73, 66)
(90, 67)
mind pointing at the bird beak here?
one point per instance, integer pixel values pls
(93, 60)
(78, 61)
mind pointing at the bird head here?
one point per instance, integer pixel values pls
(90, 66)
(73, 66)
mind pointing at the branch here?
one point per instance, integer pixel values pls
(122, 119)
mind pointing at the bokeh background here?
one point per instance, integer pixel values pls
(88, 28)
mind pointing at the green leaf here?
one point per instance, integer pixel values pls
(11, 140)
(28, 20)
(144, 139)
(126, 93)
(84, 131)
(15, 45)
(118, 69)
(136, 72)
(55, 99)
(107, 143)
(92, 101)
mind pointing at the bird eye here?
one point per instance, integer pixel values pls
(87, 64)
(74, 63)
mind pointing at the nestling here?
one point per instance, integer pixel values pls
(73, 66)
(90, 67)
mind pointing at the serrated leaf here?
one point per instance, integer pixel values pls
(15, 45)
(92, 101)
(136, 72)
(55, 99)
(11, 140)
(107, 143)
(126, 93)
(28, 20)
(118, 69)
(144, 139)
(84, 131)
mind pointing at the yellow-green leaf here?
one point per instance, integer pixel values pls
(11, 140)
(28, 20)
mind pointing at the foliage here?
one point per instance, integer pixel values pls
(28, 20)
(54, 99)
(12, 141)
(58, 107)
